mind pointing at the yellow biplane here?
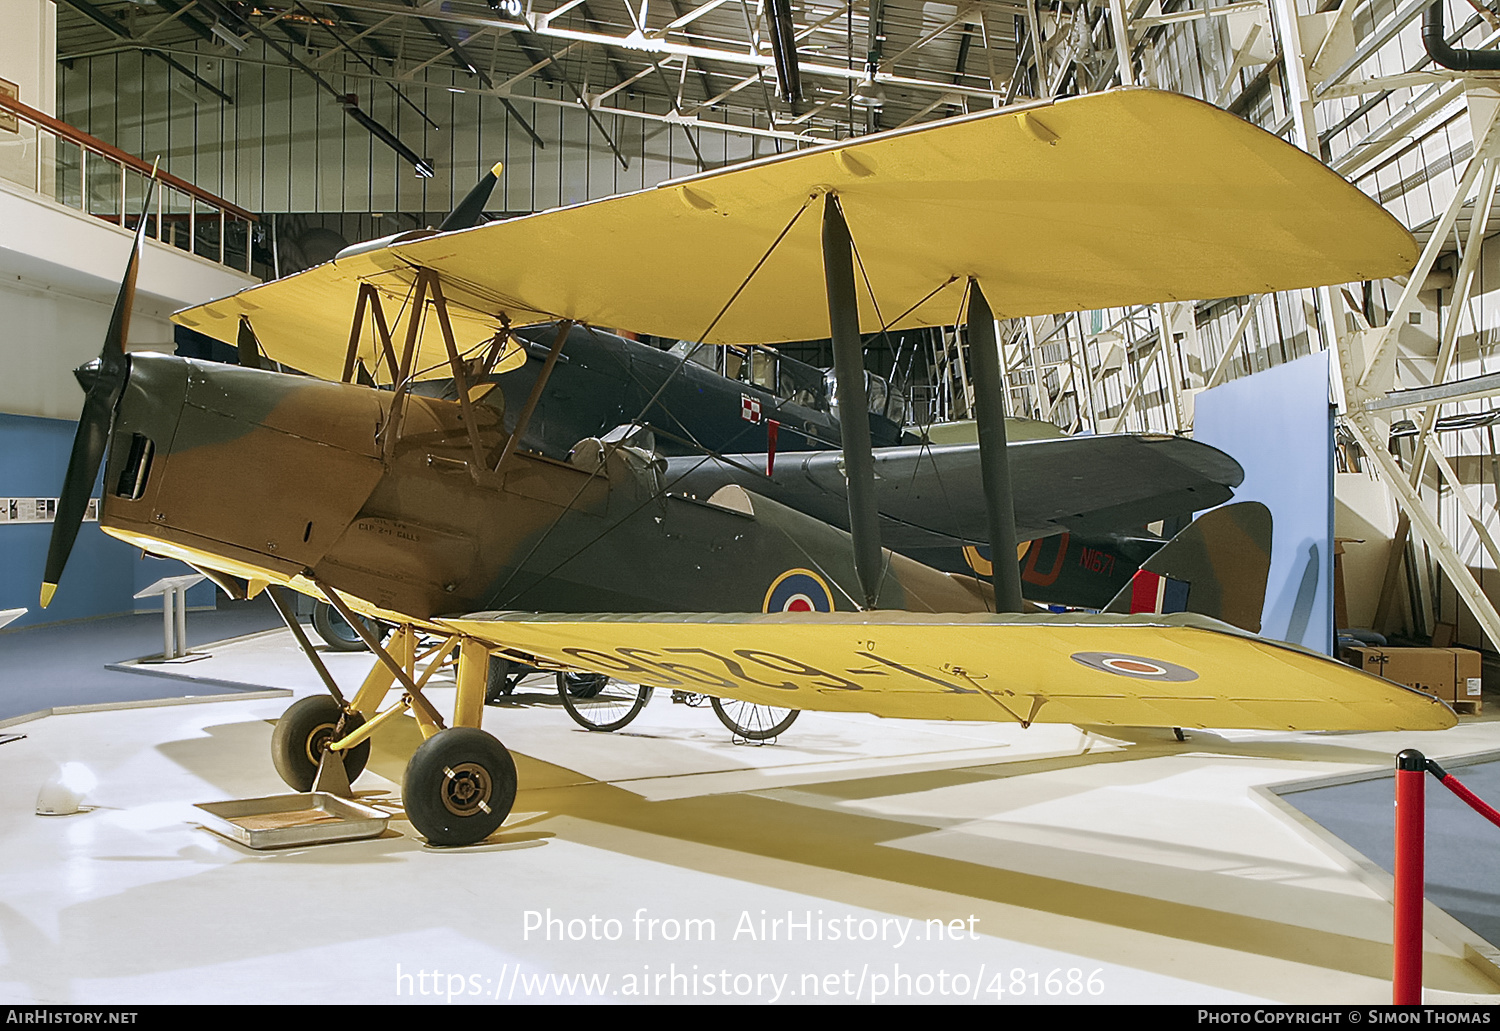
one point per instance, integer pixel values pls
(397, 503)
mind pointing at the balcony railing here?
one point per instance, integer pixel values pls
(54, 160)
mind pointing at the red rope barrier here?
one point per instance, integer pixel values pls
(1473, 801)
(1406, 980)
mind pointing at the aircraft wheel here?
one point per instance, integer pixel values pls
(581, 685)
(337, 633)
(302, 734)
(610, 706)
(502, 677)
(753, 722)
(459, 786)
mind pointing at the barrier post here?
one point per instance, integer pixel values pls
(1411, 769)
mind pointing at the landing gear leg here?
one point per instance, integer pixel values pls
(460, 783)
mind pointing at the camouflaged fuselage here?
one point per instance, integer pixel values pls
(269, 476)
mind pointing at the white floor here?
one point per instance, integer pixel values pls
(965, 861)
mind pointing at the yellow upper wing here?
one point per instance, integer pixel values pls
(1125, 197)
(1163, 671)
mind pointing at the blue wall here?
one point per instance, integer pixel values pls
(1278, 425)
(103, 574)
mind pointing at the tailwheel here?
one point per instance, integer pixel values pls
(502, 677)
(304, 732)
(338, 634)
(581, 685)
(597, 702)
(753, 722)
(459, 786)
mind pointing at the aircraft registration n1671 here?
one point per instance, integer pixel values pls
(424, 512)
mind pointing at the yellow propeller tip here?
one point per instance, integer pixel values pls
(497, 168)
(48, 590)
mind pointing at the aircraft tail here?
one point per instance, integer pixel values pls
(1215, 567)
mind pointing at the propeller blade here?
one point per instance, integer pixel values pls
(119, 319)
(83, 467)
(471, 209)
(104, 381)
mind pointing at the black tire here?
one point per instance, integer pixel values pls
(502, 677)
(337, 633)
(581, 685)
(753, 722)
(609, 706)
(302, 733)
(459, 786)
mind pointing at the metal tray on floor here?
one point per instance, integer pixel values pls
(308, 818)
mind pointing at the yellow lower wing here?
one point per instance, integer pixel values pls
(1168, 671)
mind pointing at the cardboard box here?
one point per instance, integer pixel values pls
(1452, 674)
(1426, 669)
(1468, 678)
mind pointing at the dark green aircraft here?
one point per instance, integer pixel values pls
(1077, 503)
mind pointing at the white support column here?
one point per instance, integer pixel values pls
(179, 598)
(1299, 95)
(1173, 368)
(28, 51)
(1083, 378)
(1043, 398)
(168, 625)
(1304, 119)
(1034, 28)
(1120, 25)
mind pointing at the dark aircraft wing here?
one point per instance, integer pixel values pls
(930, 495)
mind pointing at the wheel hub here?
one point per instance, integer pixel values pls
(318, 741)
(466, 789)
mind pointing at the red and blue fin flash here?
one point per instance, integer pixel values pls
(1157, 594)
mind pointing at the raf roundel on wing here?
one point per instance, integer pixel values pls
(799, 590)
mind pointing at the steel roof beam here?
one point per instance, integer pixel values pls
(544, 64)
(181, 12)
(380, 132)
(588, 16)
(638, 41)
(118, 28)
(668, 118)
(702, 75)
(441, 33)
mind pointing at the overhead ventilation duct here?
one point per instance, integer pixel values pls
(1434, 39)
(784, 51)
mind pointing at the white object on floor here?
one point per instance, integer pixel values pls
(63, 793)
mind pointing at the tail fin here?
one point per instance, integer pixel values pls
(1215, 567)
